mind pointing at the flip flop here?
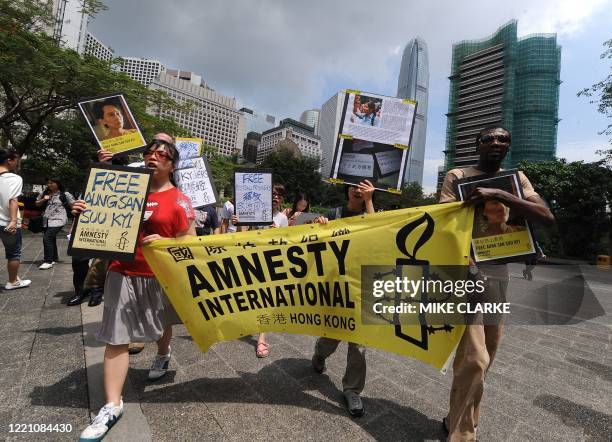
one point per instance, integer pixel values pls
(262, 350)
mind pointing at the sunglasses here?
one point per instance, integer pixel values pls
(150, 150)
(276, 194)
(159, 154)
(488, 139)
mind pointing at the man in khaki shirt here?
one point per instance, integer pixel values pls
(480, 342)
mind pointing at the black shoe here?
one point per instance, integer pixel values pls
(318, 364)
(95, 297)
(78, 298)
(354, 406)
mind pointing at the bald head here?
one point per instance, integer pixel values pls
(164, 137)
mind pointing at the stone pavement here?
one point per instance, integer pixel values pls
(548, 383)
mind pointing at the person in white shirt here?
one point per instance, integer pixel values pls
(227, 212)
(262, 350)
(10, 221)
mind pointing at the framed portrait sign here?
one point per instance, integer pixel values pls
(253, 195)
(116, 199)
(112, 123)
(373, 140)
(499, 234)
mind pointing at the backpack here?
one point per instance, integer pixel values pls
(67, 207)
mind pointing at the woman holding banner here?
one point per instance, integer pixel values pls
(136, 308)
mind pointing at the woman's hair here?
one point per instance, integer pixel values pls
(7, 154)
(484, 221)
(60, 186)
(98, 108)
(280, 189)
(171, 149)
(299, 197)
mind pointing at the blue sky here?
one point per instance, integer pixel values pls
(284, 57)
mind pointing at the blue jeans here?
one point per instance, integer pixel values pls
(50, 245)
(12, 244)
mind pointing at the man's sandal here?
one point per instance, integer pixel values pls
(262, 350)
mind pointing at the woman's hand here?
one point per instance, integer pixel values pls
(295, 215)
(150, 238)
(78, 207)
(321, 220)
(105, 156)
(367, 190)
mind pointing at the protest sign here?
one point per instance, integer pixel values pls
(499, 234)
(189, 147)
(373, 140)
(196, 183)
(253, 195)
(116, 198)
(112, 123)
(307, 218)
(307, 279)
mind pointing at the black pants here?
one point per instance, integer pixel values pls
(80, 267)
(50, 244)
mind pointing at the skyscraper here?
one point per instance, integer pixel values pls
(508, 81)
(412, 84)
(311, 118)
(143, 70)
(213, 117)
(96, 48)
(70, 24)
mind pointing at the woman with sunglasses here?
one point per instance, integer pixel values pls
(135, 306)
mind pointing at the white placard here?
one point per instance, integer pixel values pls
(196, 184)
(189, 147)
(389, 161)
(253, 194)
(357, 164)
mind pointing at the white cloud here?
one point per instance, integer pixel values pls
(565, 17)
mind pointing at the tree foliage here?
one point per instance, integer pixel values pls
(41, 81)
(579, 195)
(297, 175)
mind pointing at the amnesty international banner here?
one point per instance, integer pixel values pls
(307, 279)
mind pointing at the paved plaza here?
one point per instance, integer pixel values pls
(548, 383)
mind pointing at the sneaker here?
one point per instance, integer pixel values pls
(160, 366)
(354, 406)
(45, 266)
(318, 364)
(106, 418)
(20, 284)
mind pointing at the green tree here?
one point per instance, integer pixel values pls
(297, 175)
(40, 81)
(601, 92)
(579, 195)
(412, 196)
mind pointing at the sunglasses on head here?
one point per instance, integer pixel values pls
(488, 139)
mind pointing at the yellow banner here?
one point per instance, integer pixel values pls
(124, 142)
(307, 279)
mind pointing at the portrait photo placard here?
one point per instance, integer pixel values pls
(253, 195)
(196, 183)
(499, 235)
(116, 198)
(112, 123)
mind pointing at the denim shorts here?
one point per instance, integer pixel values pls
(12, 244)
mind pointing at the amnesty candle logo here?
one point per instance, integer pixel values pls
(311, 278)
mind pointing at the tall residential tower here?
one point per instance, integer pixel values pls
(412, 84)
(507, 81)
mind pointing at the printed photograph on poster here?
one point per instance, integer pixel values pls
(196, 183)
(112, 123)
(499, 235)
(116, 199)
(382, 164)
(253, 196)
(377, 118)
(188, 148)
